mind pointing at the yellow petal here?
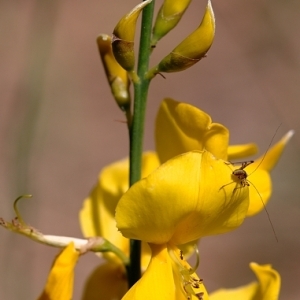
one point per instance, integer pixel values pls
(97, 217)
(182, 201)
(59, 284)
(269, 161)
(216, 140)
(108, 281)
(157, 282)
(267, 287)
(181, 127)
(260, 191)
(258, 173)
(241, 151)
(97, 220)
(269, 282)
(161, 280)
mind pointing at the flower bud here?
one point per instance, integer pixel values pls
(168, 17)
(192, 48)
(117, 77)
(123, 37)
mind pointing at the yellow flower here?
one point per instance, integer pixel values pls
(59, 284)
(267, 287)
(167, 277)
(176, 204)
(97, 217)
(181, 127)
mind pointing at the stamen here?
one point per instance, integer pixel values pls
(193, 270)
(189, 282)
(200, 295)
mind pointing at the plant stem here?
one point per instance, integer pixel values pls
(137, 128)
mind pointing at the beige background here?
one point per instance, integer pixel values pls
(59, 126)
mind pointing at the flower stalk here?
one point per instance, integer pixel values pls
(137, 128)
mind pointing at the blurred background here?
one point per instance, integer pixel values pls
(59, 126)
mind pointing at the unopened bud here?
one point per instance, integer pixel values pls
(117, 77)
(191, 49)
(168, 17)
(123, 37)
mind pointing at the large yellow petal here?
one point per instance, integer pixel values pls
(59, 284)
(182, 201)
(181, 127)
(267, 287)
(97, 216)
(107, 282)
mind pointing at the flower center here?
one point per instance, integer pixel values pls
(190, 283)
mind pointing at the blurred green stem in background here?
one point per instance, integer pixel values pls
(28, 102)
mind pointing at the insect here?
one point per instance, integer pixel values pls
(242, 176)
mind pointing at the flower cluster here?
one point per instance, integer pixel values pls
(185, 190)
(180, 200)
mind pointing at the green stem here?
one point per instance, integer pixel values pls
(137, 128)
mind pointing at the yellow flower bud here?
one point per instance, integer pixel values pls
(168, 17)
(192, 48)
(117, 77)
(123, 37)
